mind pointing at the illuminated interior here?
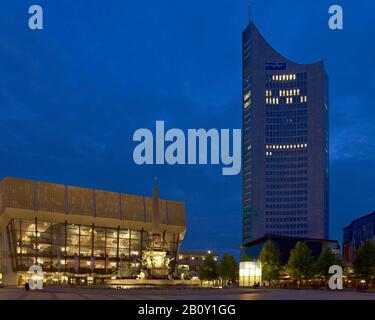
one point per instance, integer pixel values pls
(62, 247)
(250, 273)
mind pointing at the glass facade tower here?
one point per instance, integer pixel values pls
(285, 143)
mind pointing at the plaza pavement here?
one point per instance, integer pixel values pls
(180, 294)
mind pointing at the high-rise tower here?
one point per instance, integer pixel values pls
(285, 143)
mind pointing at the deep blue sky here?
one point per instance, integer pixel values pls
(72, 95)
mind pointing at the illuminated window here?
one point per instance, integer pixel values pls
(268, 93)
(285, 146)
(247, 95)
(284, 77)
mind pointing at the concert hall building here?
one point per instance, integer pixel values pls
(80, 235)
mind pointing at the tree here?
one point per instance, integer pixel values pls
(270, 258)
(227, 268)
(326, 259)
(300, 263)
(208, 268)
(364, 260)
(245, 258)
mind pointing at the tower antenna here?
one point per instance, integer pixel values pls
(249, 10)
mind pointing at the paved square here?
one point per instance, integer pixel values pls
(180, 294)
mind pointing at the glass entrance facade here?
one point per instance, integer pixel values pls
(71, 248)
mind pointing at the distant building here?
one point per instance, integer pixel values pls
(358, 231)
(77, 234)
(285, 245)
(193, 259)
(285, 142)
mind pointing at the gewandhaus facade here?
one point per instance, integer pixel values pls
(79, 233)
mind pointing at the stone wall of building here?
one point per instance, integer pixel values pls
(41, 196)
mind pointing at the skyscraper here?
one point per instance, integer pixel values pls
(285, 143)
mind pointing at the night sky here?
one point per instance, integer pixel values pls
(72, 95)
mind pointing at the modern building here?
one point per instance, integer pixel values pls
(79, 234)
(285, 143)
(250, 273)
(357, 232)
(285, 244)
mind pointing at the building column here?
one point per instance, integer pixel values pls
(9, 276)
